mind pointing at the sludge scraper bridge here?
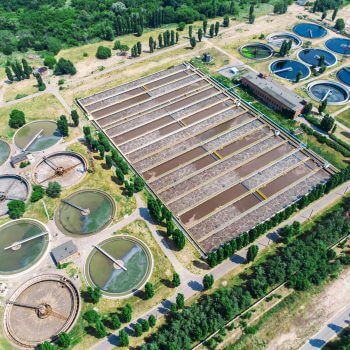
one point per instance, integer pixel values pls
(217, 165)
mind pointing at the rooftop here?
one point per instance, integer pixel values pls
(64, 251)
(289, 98)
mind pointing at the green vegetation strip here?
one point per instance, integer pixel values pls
(305, 261)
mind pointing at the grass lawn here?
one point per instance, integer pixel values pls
(43, 107)
(328, 153)
(344, 118)
(162, 271)
(17, 88)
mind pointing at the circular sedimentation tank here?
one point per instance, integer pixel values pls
(335, 93)
(344, 75)
(37, 136)
(85, 212)
(23, 243)
(288, 69)
(256, 51)
(317, 57)
(4, 152)
(339, 45)
(310, 30)
(277, 39)
(119, 266)
(66, 168)
(12, 187)
(40, 309)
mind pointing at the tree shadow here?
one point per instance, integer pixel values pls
(167, 283)
(141, 295)
(86, 296)
(200, 264)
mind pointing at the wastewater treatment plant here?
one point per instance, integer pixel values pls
(144, 179)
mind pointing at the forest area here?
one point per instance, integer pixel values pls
(50, 25)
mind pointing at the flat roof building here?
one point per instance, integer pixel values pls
(274, 94)
(63, 252)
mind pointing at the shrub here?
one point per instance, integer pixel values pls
(149, 290)
(152, 320)
(252, 253)
(17, 119)
(181, 26)
(53, 189)
(50, 61)
(208, 281)
(16, 208)
(138, 330)
(64, 340)
(115, 321)
(103, 52)
(123, 338)
(64, 66)
(94, 294)
(91, 316)
(37, 193)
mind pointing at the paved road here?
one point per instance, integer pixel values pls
(191, 283)
(329, 331)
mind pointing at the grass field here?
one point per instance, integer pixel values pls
(43, 107)
(344, 118)
(24, 87)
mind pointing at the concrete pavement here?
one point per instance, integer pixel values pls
(329, 331)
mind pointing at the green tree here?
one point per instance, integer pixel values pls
(149, 290)
(50, 61)
(126, 314)
(298, 76)
(138, 330)
(334, 14)
(339, 24)
(160, 40)
(37, 193)
(139, 184)
(205, 26)
(308, 108)
(39, 80)
(26, 68)
(217, 27)
(94, 294)
(100, 329)
(324, 15)
(177, 37)
(9, 73)
(211, 30)
(16, 208)
(101, 151)
(64, 340)
(179, 239)
(200, 34)
(180, 301)
(151, 44)
(47, 346)
(193, 42)
(327, 123)
(115, 321)
(91, 316)
(120, 175)
(139, 48)
(123, 338)
(64, 66)
(103, 52)
(62, 125)
(252, 253)
(176, 280)
(208, 281)
(251, 17)
(190, 31)
(226, 21)
(322, 107)
(108, 161)
(53, 189)
(145, 325)
(17, 119)
(75, 117)
(152, 320)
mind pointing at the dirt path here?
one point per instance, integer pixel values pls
(315, 314)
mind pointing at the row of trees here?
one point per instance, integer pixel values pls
(237, 243)
(162, 215)
(305, 261)
(19, 70)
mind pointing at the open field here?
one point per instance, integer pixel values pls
(43, 107)
(218, 167)
(344, 118)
